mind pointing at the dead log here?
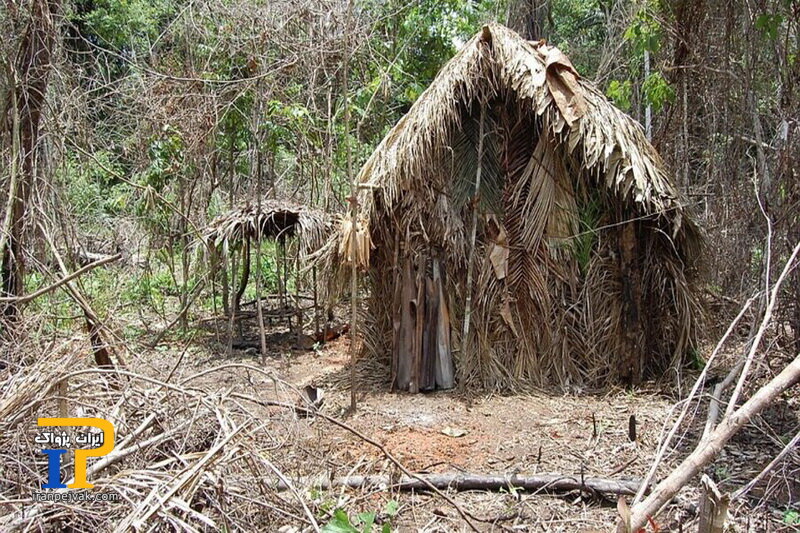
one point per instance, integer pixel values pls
(549, 483)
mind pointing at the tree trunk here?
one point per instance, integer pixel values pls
(530, 18)
(31, 70)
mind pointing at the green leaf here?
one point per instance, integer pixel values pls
(768, 24)
(391, 508)
(366, 520)
(340, 523)
(620, 93)
(644, 33)
(657, 91)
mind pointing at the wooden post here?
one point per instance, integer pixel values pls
(713, 507)
(297, 303)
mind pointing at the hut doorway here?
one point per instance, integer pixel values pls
(422, 359)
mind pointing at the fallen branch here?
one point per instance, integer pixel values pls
(32, 296)
(664, 444)
(709, 448)
(551, 483)
(714, 406)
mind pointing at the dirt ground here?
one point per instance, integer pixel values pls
(451, 431)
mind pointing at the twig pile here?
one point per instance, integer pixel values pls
(185, 459)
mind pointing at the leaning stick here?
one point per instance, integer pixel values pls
(473, 233)
(44, 290)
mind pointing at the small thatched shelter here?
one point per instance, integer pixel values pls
(274, 218)
(254, 222)
(514, 193)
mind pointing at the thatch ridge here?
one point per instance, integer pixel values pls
(613, 144)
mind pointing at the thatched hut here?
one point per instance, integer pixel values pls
(246, 226)
(522, 223)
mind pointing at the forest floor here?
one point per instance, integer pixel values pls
(452, 431)
(206, 432)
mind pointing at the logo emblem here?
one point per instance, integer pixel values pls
(104, 439)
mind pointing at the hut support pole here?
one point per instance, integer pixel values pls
(278, 274)
(214, 259)
(262, 333)
(316, 301)
(297, 304)
(353, 213)
(473, 232)
(237, 302)
(245, 275)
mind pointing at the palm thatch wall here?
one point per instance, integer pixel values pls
(584, 254)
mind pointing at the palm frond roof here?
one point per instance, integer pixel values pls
(608, 143)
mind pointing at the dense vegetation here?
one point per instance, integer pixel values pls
(159, 115)
(126, 126)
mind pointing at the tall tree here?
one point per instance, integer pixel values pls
(28, 74)
(530, 18)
